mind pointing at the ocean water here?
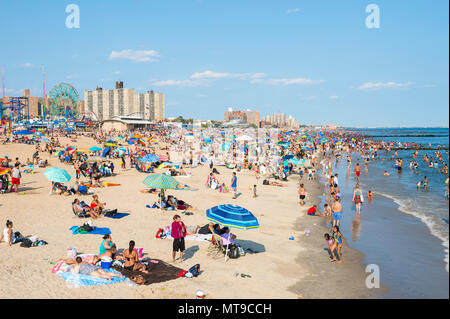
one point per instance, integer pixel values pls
(404, 231)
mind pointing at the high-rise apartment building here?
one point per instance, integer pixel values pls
(249, 117)
(107, 104)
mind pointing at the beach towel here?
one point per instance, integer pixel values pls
(118, 215)
(96, 231)
(159, 272)
(79, 280)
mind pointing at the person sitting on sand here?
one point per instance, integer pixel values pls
(312, 211)
(106, 244)
(9, 235)
(81, 211)
(273, 183)
(83, 268)
(132, 259)
(96, 205)
(82, 189)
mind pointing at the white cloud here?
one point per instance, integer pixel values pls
(334, 97)
(383, 85)
(117, 72)
(292, 10)
(27, 65)
(172, 103)
(217, 75)
(135, 55)
(287, 81)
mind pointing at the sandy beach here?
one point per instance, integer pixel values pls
(280, 268)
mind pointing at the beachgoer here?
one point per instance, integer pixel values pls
(358, 198)
(90, 270)
(178, 232)
(9, 236)
(234, 185)
(132, 259)
(302, 194)
(337, 212)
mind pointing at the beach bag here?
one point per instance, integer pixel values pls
(110, 212)
(234, 253)
(26, 243)
(86, 227)
(195, 270)
(71, 252)
(159, 233)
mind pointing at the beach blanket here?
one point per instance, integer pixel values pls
(96, 231)
(159, 272)
(118, 215)
(79, 280)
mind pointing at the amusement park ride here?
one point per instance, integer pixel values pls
(62, 103)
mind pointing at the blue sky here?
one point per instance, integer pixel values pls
(314, 60)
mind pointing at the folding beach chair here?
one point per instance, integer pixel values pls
(216, 248)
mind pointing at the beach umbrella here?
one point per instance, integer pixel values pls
(163, 158)
(283, 143)
(4, 170)
(23, 133)
(297, 161)
(45, 140)
(150, 158)
(165, 164)
(56, 174)
(69, 129)
(111, 144)
(232, 216)
(95, 149)
(160, 181)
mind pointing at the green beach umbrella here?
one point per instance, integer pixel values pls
(160, 181)
(56, 174)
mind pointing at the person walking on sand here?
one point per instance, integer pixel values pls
(234, 185)
(178, 232)
(337, 212)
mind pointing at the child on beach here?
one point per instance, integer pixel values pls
(254, 191)
(329, 240)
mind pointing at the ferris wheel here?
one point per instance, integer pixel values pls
(63, 101)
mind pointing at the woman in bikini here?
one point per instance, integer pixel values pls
(132, 259)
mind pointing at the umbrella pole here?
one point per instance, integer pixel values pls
(226, 250)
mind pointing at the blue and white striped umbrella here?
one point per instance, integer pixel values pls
(232, 216)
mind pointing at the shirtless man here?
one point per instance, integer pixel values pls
(337, 212)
